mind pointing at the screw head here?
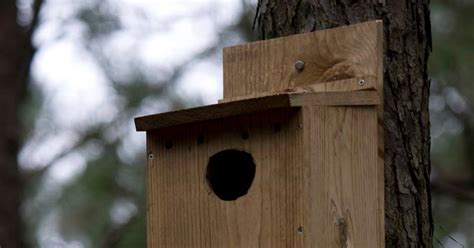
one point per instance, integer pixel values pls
(361, 82)
(299, 65)
(150, 156)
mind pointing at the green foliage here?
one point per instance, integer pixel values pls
(452, 119)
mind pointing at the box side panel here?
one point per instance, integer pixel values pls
(184, 211)
(150, 144)
(344, 206)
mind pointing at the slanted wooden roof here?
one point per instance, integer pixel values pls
(252, 105)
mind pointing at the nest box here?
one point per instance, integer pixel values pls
(292, 156)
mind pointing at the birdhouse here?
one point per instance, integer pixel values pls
(292, 156)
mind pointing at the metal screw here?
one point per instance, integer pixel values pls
(361, 82)
(299, 65)
(150, 156)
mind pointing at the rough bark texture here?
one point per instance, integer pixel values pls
(16, 52)
(407, 44)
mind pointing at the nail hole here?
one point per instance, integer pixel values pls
(230, 174)
(150, 156)
(168, 144)
(200, 139)
(300, 230)
(277, 127)
(245, 135)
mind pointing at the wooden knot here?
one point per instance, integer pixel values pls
(340, 71)
(342, 226)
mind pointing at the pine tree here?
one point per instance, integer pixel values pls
(407, 45)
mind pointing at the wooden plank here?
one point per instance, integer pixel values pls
(369, 97)
(283, 100)
(380, 137)
(351, 84)
(352, 51)
(316, 183)
(183, 211)
(344, 85)
(318, 146)
(343, 188)
(213, 111)
(347, 52)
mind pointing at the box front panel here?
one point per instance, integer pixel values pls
(184, 210)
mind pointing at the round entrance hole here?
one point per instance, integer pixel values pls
(230, 173)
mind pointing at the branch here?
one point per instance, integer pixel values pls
(462, 191)
(30, 49)
(35, 19)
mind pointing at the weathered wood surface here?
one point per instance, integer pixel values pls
(182, 211)
(316, 182)
(281, 100)
(343, 190)
(334, 60)
(336, 99)
(315, 135)
(214, 111)
(351, 84)
(329, 55)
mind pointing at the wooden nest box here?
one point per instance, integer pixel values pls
(291, 157)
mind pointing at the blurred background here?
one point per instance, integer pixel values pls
(99, 63)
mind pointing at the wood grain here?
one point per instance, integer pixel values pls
(316, 182)
(315, 135)
(213, 111)
(282, 100)
(335, 98)
(329, 55)
(182, 210)
(342, 191)
(351, 84)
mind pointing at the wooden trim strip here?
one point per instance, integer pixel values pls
(355, 98)
(343, 85)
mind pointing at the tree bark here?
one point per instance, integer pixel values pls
(16, 53)
(407, 44)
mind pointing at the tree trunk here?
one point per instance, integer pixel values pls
(16, 52)
(407, 44)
